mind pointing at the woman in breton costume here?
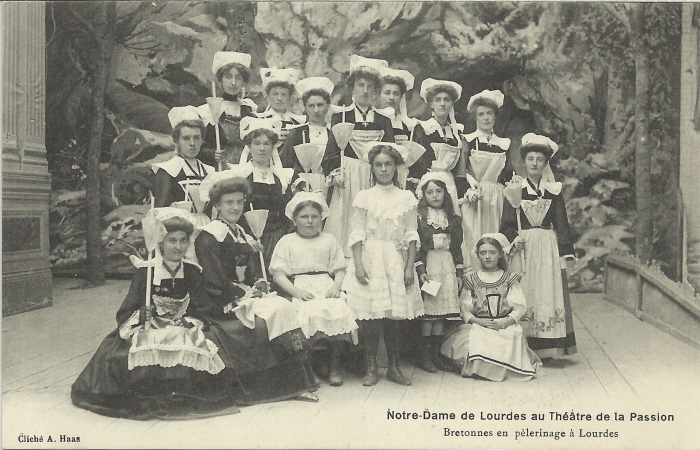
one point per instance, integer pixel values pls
(306, 144)
(278, 85)
(258, 329)
(440, 134)
(487, 158)
(370, 125)
(392, 97)
(538, 226)
(268, 179)
(162, 361)
(175, 177)
(232, 70)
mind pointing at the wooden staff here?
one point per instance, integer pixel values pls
(262, 258)
(149, 274)
(216, 127)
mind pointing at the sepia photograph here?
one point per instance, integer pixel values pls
(350, 224)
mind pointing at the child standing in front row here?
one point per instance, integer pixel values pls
(309, 266)
(381, 284)
(491, 343)
(439, 260)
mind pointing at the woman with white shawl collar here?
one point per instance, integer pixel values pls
(184, 170)
(232, 70)
(539, 227)
(260, 330)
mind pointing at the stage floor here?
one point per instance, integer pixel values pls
(623, 366)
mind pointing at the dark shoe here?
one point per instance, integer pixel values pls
(393, 373)
(426, 362)
(372, 376)
(335, 374)
(440, 362)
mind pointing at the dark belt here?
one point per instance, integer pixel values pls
(292, 277)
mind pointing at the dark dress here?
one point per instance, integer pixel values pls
(269, 197)
(498, 145)
(167, 188)
(426, 133)
(443, 263)
(267, 370)
(106, 385)
(331, 159)
(545, 228)
(229, 132)
(297, 136)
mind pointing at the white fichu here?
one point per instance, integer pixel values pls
(341, 133)
(415, 151)
(310, 156)
(514, 194)
(446, 156)
(257, 218)
(191, 188)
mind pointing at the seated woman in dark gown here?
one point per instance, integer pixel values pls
(161, 361)
(260, 331)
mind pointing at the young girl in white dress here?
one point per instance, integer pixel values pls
(439, 260)
(491, 344)
(309, 266)
(381, 283)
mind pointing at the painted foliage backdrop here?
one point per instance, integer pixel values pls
(566, 69)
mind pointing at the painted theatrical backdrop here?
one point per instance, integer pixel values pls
(568, 70)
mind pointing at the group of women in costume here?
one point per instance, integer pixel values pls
(315, 232)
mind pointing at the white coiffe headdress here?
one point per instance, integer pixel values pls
(222, 59)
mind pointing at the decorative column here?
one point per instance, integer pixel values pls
(26, 183)
(690, 142)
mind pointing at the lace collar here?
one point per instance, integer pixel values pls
(437, 218)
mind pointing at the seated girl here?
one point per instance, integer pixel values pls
(260, 330)
(160, 361)
(309, 266)
(491, 343)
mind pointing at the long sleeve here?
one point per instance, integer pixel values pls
(516, 299)
(410, 221)
(358, 220)
(195, 280)
(456, 239)
(331, 157)
(421, 166)
(507, 172)
(135, 298)
(509, 221)
(387, 127)
(217, 285)
(560, 223)
(422, 253)
(287, 154)
(161, 189)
